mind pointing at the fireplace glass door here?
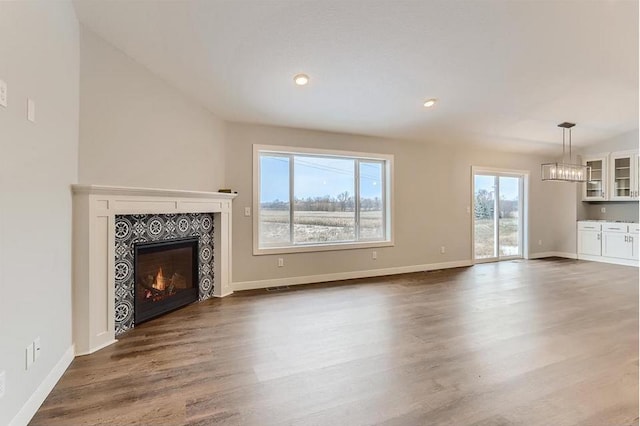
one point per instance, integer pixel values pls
(166, 276)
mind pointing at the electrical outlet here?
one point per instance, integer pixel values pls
(3, 383)
(280, 262)
(3, 94)
(374, 255)
(247, 211)
(442, 250)
(28, 354)
(603, 209)
(468, 209)
(539, 242)
(31, 110)
(36, 348)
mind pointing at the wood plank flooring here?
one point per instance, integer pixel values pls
(541, 342)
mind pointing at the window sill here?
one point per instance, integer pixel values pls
(321, 247)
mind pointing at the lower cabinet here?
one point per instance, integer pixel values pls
(617, 245)
(608, 242)
(589, 243)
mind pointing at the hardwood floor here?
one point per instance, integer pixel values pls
(542, 342)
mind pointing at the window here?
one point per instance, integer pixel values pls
(309, 200)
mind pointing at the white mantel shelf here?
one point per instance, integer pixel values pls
(94, 211)
(145, 192)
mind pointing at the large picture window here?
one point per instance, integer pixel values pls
(308, 200)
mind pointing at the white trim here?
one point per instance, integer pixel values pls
(387, 193)
(523, 205)
(338, 276)
(544, 254)
(613, 260)
(97, 348)
(94, 210)
(32, 405)
(283, 149)
(223, 295)
(152, 192)
(324, 247)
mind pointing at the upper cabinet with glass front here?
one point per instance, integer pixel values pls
(624, 175)
(596, 188)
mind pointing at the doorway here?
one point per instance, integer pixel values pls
(498, 214)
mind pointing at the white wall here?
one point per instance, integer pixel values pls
(432, 192)
(138, 131)
(39, 58)
(614, 210)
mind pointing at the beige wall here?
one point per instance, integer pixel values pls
(614, 210)
(38, 162)
(136, 130)
(432, 192)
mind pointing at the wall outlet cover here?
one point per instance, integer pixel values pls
(28, 354)
(3, 93)
(3, 383)
(31, 110)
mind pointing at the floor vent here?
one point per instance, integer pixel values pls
(284, 287)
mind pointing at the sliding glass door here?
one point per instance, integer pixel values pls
(497, 216)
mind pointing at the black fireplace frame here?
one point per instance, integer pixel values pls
(179, 301)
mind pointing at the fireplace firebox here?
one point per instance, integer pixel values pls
(166, 276)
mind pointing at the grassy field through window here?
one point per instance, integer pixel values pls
(484, 237)
(318, 226)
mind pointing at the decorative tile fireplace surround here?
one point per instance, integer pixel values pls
(154, 214)
(144, 228)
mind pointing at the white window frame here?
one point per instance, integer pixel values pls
(523, 207)
(311, 247)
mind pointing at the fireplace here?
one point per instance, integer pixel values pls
(166, 276)
(109, 221)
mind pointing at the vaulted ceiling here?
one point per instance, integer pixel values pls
(504, 72)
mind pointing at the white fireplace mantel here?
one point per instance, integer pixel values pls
(94, 211)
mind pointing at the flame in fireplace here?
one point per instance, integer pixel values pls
(160, 282)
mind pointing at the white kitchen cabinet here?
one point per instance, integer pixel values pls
(617, 244)
(623, 176)
(589, 239)
(634, 235)
(596, 188)
(611, 242)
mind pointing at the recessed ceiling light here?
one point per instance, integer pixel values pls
(301, 79)
(430, 102)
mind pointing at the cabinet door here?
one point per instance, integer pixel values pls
(623, 179)
(634, 246)
(595, 189)
(635, 182)
(589, 243)
(616, 244)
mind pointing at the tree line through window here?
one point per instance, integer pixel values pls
(335, 199)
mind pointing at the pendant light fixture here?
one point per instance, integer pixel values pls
(566, 171)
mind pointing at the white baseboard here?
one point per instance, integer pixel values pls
(30, 408)
(308, 279)
(553, 254)
(97, 348)
(615, 261)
